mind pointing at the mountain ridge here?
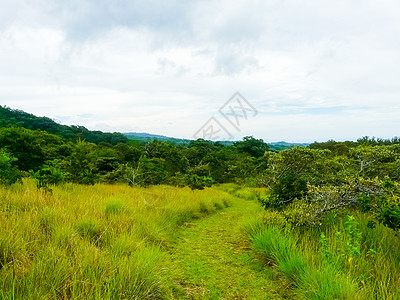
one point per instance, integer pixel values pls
(16, 117)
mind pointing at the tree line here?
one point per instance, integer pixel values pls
(52, 159)
(318, 178)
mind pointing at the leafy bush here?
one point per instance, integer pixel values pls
(289, 187)
(48, 175)
(196, 182)
(364, 202)
(353, 234)
(9, 173)
(270, 201)
(389, 215)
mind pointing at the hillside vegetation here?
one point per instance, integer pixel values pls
(20, 118)
(101, 220)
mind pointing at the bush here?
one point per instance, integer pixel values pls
(389, 215)
(9, 174)
(48, 175)
(196, 182)
(288, 188)
(364, 203)
(270, 201)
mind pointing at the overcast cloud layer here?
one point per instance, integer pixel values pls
(314, 70)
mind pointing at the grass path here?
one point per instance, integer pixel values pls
(215, 262)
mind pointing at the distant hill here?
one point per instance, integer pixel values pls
(15, 117)
(148, 137)
(278, 146)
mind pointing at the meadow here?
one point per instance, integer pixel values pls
(117, 242)
(93, 242)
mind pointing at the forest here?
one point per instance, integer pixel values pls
(310, 213)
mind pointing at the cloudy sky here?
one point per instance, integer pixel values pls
(312, 70)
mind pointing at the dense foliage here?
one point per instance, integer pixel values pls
(20, 118)
(54, 153)
(316, 179)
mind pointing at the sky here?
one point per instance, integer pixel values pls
(298, 71)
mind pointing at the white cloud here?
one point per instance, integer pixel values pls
(314, 70)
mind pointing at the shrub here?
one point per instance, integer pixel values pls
(288, 188)
(389, 215)
(48, 175)
(270, 201)
(9, 173)
(196, 182)
(364, 203)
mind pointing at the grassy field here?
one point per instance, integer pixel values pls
(94, 242)
(161, 242)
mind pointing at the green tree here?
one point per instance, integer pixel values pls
(9, 173)
(252, 146)
(150, 171)
(49, 174)
(80, 166)
(32, 148)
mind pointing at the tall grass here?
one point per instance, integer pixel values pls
(249, 193)
(343, 258)
(93, 242)
(312, 281)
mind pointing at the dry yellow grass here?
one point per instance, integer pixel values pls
(93, 242)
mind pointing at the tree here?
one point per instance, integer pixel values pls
(31, 147)
(252, 146)
(196, 182)
(375, 160)
(131, 173)
(49, 174)
(9, 173)
(80, 165)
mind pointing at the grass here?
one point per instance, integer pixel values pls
(248, 193)
(344, 258)
(94, 242)
(214, 259)
(161, 242)
(310, 280)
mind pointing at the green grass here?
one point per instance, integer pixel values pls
(243, 192)
(94, 242)
(214, 259)
(343, 258)
(114, 206)
(118, 242)
(311, 281)
(161, 242)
